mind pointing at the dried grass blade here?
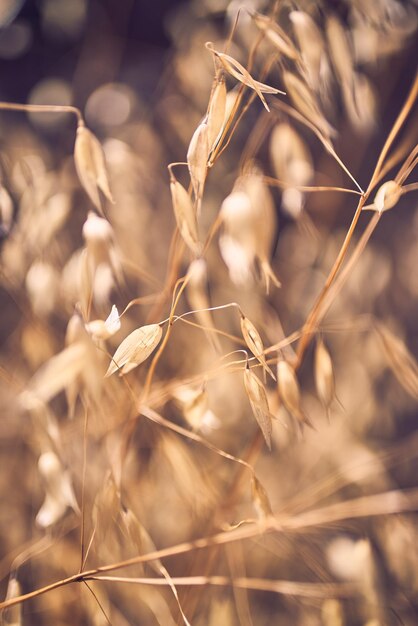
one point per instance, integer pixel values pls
(135, 349)
(260, 499)
(324, 375)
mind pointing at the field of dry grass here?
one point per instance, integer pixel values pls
(208, 314)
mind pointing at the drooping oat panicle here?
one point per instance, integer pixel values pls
(305, 101)
(289, 392)
(59, 490)
(238, 71)
(254, 342)
(185, 215)
(91, 166)
(260, 499)
(216, 112)
(197, 159)
(276, 35)
(324, 375)
(258, 400)
(400, 360)
(135, 349)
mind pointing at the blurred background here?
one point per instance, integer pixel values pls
(142, 77)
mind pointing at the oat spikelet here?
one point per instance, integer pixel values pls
(254, 342)
(185, 215)
(198, 297)
(238, 71)
(260, 499)
(59, 490)
(311, 45)
(400, 360)
(387, 196)
(324, 375)
(289, 392)
(197, 159)
(91, 166)
(103, 329)
(258, 400)
(135, 348)
(216, 112)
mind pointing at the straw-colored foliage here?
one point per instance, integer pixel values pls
(185, 438)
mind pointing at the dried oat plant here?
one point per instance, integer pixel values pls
(207, 371)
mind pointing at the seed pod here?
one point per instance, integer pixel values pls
(135, 348)
(185, 215)
(253, 340)
(90, 165)
(258, 399)
(340, 51)
(289, 392)
(324, 375)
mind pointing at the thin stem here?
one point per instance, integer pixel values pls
(42, 108)
(274, 182)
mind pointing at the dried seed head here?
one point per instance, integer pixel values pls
(260, 499)
(90, 165)
(194, 403)
(197, 159)
(289, 392)
(258, 400)
(135, 348)
(185, 215)
(216, 112)
(324, 375)
(253, 340)
(103, 329)
(59, 490)
(387, 196)
(249, 220)
(235, 69)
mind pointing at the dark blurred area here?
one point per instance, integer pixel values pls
(66, 40)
